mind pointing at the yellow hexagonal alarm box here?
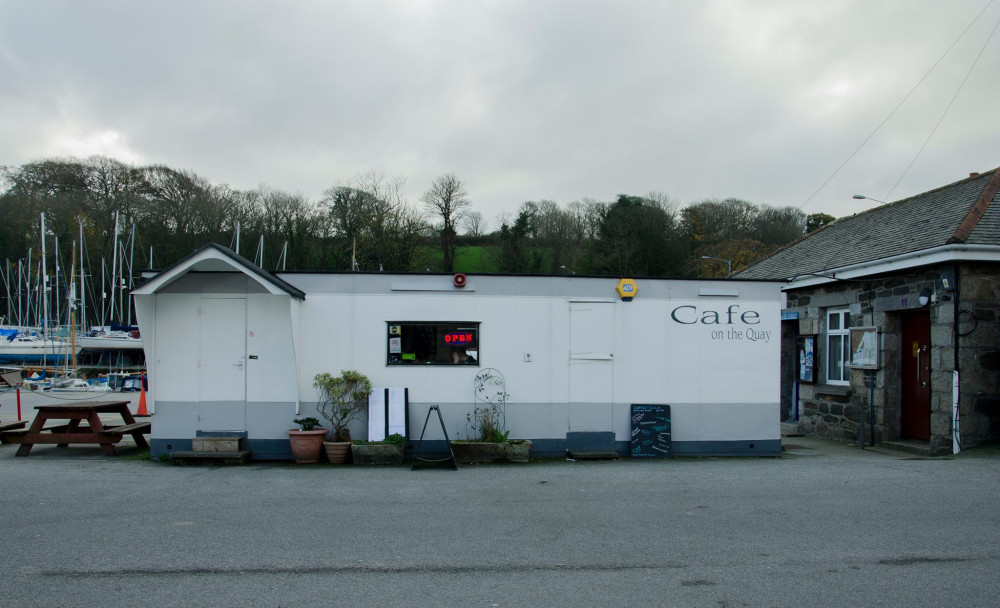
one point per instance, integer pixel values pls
(627, 289)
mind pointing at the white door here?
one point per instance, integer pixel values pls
(591, 365)
(222, 364)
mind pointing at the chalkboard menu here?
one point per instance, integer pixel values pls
(650, 430)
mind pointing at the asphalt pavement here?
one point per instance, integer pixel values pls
(827, 524)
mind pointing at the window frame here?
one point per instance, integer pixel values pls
(843, 334)
(440, 328)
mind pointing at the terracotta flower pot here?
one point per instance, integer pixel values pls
(337, 452)
(306, 445)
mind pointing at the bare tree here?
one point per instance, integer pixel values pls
(447, 199)
(371, 221)
(474, 224)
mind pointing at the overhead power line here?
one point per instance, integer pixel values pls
(900, 104)
(943, 114)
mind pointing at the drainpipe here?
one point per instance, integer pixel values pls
(871, 411)
(795, 403)
(956, 438)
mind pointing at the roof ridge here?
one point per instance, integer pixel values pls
(921, 194)
(972, 218)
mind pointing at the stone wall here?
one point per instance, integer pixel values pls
(979, 352)
(856, 412)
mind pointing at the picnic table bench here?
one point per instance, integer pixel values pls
(7, 426)
(74, 431)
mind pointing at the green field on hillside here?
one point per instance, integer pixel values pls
(467, 259)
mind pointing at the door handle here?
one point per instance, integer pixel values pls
(920, 370)
(238, 364)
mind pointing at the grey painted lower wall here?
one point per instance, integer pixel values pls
(278, 449)
(713, 429)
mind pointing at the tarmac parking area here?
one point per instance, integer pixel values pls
(825, 525)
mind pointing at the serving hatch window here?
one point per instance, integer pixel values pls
(432, 343)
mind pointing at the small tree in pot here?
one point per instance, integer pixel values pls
(341, 399)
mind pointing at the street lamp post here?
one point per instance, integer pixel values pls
(862, 197)
(729, 263)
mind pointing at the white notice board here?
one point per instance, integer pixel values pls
(387, 413)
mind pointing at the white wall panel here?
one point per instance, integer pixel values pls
(176, 355)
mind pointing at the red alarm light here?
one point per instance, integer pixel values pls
(459, 280)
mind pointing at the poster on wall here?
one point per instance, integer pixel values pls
(864, 348)
(807, 359)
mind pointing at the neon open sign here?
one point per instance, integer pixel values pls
(459, 338)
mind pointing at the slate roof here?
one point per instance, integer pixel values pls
(965, 212)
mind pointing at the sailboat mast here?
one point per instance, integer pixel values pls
(131, 271)
(55, 286)
(284, 252)
(71, 304)
(114, 268)
(83, 292)
(104, 294)
(20, 283)
(45, 290)
(6, 284)
(26, 312)
(26, 317)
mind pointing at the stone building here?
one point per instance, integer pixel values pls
(890, 331)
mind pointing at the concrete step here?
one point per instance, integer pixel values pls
(910, 446)
(216, 444)
(593, 455)
(790, 429)
(194, 457)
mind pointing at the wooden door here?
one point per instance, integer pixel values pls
(915, 375)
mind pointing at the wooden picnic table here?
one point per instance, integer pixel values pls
(74, 431)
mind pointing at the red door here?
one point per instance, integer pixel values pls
(915, 410)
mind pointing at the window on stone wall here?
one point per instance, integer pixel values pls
(838, 346)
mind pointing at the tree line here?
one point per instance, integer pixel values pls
(368, 224)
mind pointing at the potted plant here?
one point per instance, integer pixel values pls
(386, 451)
(486, 438)
(487, 441)
(307, 440)
(342, 399)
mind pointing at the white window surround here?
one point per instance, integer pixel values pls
(837, 345)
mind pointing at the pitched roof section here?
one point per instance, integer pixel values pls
(216, 258)
(966, 212)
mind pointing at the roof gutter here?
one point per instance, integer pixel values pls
(924, 257)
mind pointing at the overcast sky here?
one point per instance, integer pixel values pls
(522, 100)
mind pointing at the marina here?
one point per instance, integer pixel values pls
(50, 336)
(11, 401)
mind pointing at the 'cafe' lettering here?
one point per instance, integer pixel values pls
(689, 315)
